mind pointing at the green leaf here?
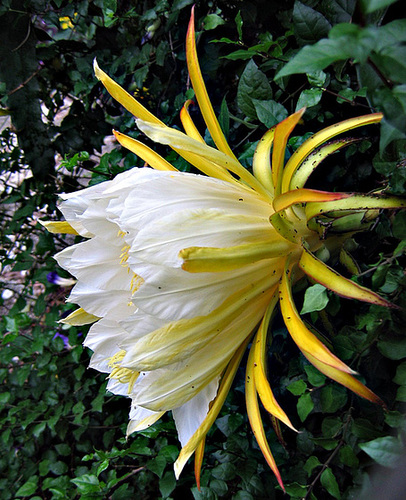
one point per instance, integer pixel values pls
(400, 377)
(331, 427)
(348, 457)
(394, 348)
(329, 482)
(243, 495)
(239, 23)
(225, 471)
(58, 468)
(399, 226)
(211, 21)
(87, 484)
(316, 57)
(314, 376)
(157, 465)
(102, 467)
(401, 394)
(311, 463)
(385, 451)
(28, 488)
(5, 397)
(253, 84)
(332, 397)
(296, 490)
(308, 24)
(373, 5)
(309, 98)
(167, 484)
(204, 494)
(315, 299)
(304, 406)
(297, 388)
(269, 113)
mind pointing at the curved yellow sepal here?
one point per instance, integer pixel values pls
(259, 363)
(255, 419)
(123, 97)
(302, 336)
(187, 451)
(318, 139)
(199, 453)
(303, 170)
(332, 280)
(79, 317)
(282, 133)
(303, 195)
(188, 124)
(208, 259)
(345, 379)
(201, 93)
(186, 146)
(355, 202)
(261, 162)
(58, 227)
(153, 159)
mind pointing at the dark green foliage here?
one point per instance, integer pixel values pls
(62, 436)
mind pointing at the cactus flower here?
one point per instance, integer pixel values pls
(179, 273)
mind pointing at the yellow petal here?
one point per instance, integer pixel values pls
(355, 202)
(255, 419)
(58, 227)
(317, 140)
(153, 159)
(304, 195)
(261, 382)
(345, 379)
(188, 124)
(302, 336)
(332, 280)
(282, 133)
(225, 385)
(79, 317)
(261, 162)
(208, 259)
(123, 97)
(185, 144)
(304, 170)
(201, 93)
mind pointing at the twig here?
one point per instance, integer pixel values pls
(27, 80)
(26, 37)
(123, 479)
(330, 458)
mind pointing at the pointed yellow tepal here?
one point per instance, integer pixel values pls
(201, 93)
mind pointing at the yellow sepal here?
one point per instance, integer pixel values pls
(302, 336)
(58, 227)
(326, 276)
(79, 317)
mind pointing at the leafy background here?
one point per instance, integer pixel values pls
(62, 436)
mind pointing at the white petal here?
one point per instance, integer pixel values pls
(141, 418)
(97, 263)
(161, 241)
(172, 386)
(171, 192)
(116, 304)
(172, 294)
(189, 416)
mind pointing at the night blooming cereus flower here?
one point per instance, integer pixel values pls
(180, 272)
